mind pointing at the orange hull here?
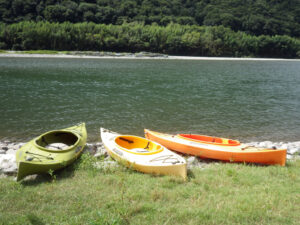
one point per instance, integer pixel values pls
(227, 152)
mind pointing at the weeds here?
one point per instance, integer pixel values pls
(52, 175)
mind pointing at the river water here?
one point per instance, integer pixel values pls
(244, 100)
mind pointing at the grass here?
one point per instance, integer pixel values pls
(223, 193)
(49, 52)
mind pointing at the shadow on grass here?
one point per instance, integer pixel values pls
(190, 174)
(64, 173)
(34, 220)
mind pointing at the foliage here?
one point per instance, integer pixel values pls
(135, 37)
(256, 17)
(223, 193)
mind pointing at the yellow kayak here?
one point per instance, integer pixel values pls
(143, 155)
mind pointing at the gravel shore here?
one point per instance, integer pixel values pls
(8, 166)
(127, 55)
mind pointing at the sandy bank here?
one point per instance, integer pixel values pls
(94, 55)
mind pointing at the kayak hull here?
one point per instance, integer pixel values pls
(238, 153)
(35, 158)
(160, 162)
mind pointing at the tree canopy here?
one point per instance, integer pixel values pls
(255, 17)
(135, 37)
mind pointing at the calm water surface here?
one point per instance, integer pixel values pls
(246, 100)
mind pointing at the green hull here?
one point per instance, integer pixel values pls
(35, 158)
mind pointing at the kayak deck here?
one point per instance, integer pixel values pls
(226, 152)
(143, 155)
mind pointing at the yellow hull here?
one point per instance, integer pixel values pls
(155, 160)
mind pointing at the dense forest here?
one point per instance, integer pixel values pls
(134, 37)
(257, 17)
(250, 27)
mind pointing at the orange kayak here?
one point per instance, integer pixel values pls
(218, 148)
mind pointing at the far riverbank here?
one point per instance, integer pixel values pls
(114, 55)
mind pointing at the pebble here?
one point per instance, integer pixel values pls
(11, 152)
(8, 163)
(2, 175)
(8, 151)
(292, 150)
(99, 154)
(191, 160)
(105, 164)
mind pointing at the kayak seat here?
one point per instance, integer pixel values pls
(139, 150)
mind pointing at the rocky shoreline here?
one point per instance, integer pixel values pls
(8, 166)
(123, 55)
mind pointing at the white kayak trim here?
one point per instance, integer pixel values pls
(163, 158)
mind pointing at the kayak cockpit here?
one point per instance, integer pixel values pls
(137, 145)
(210, 139)
(62, 140)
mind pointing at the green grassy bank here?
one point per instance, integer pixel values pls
(222, 193)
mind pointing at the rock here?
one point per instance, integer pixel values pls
(11, 146)
(99, 144)
(97, 155)
(268, 144)
(261, 145)
(96, 149)
(8, 163)
(106, 164)
(30, 177)
(5, 148)
(191, 160)
(102, 151)
(292, 147)
(12, 169)
(91, 148)
(194, 162)
(11, 152)
(293, 150)
(2, 175)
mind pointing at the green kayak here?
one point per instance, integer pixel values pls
(39, 156)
